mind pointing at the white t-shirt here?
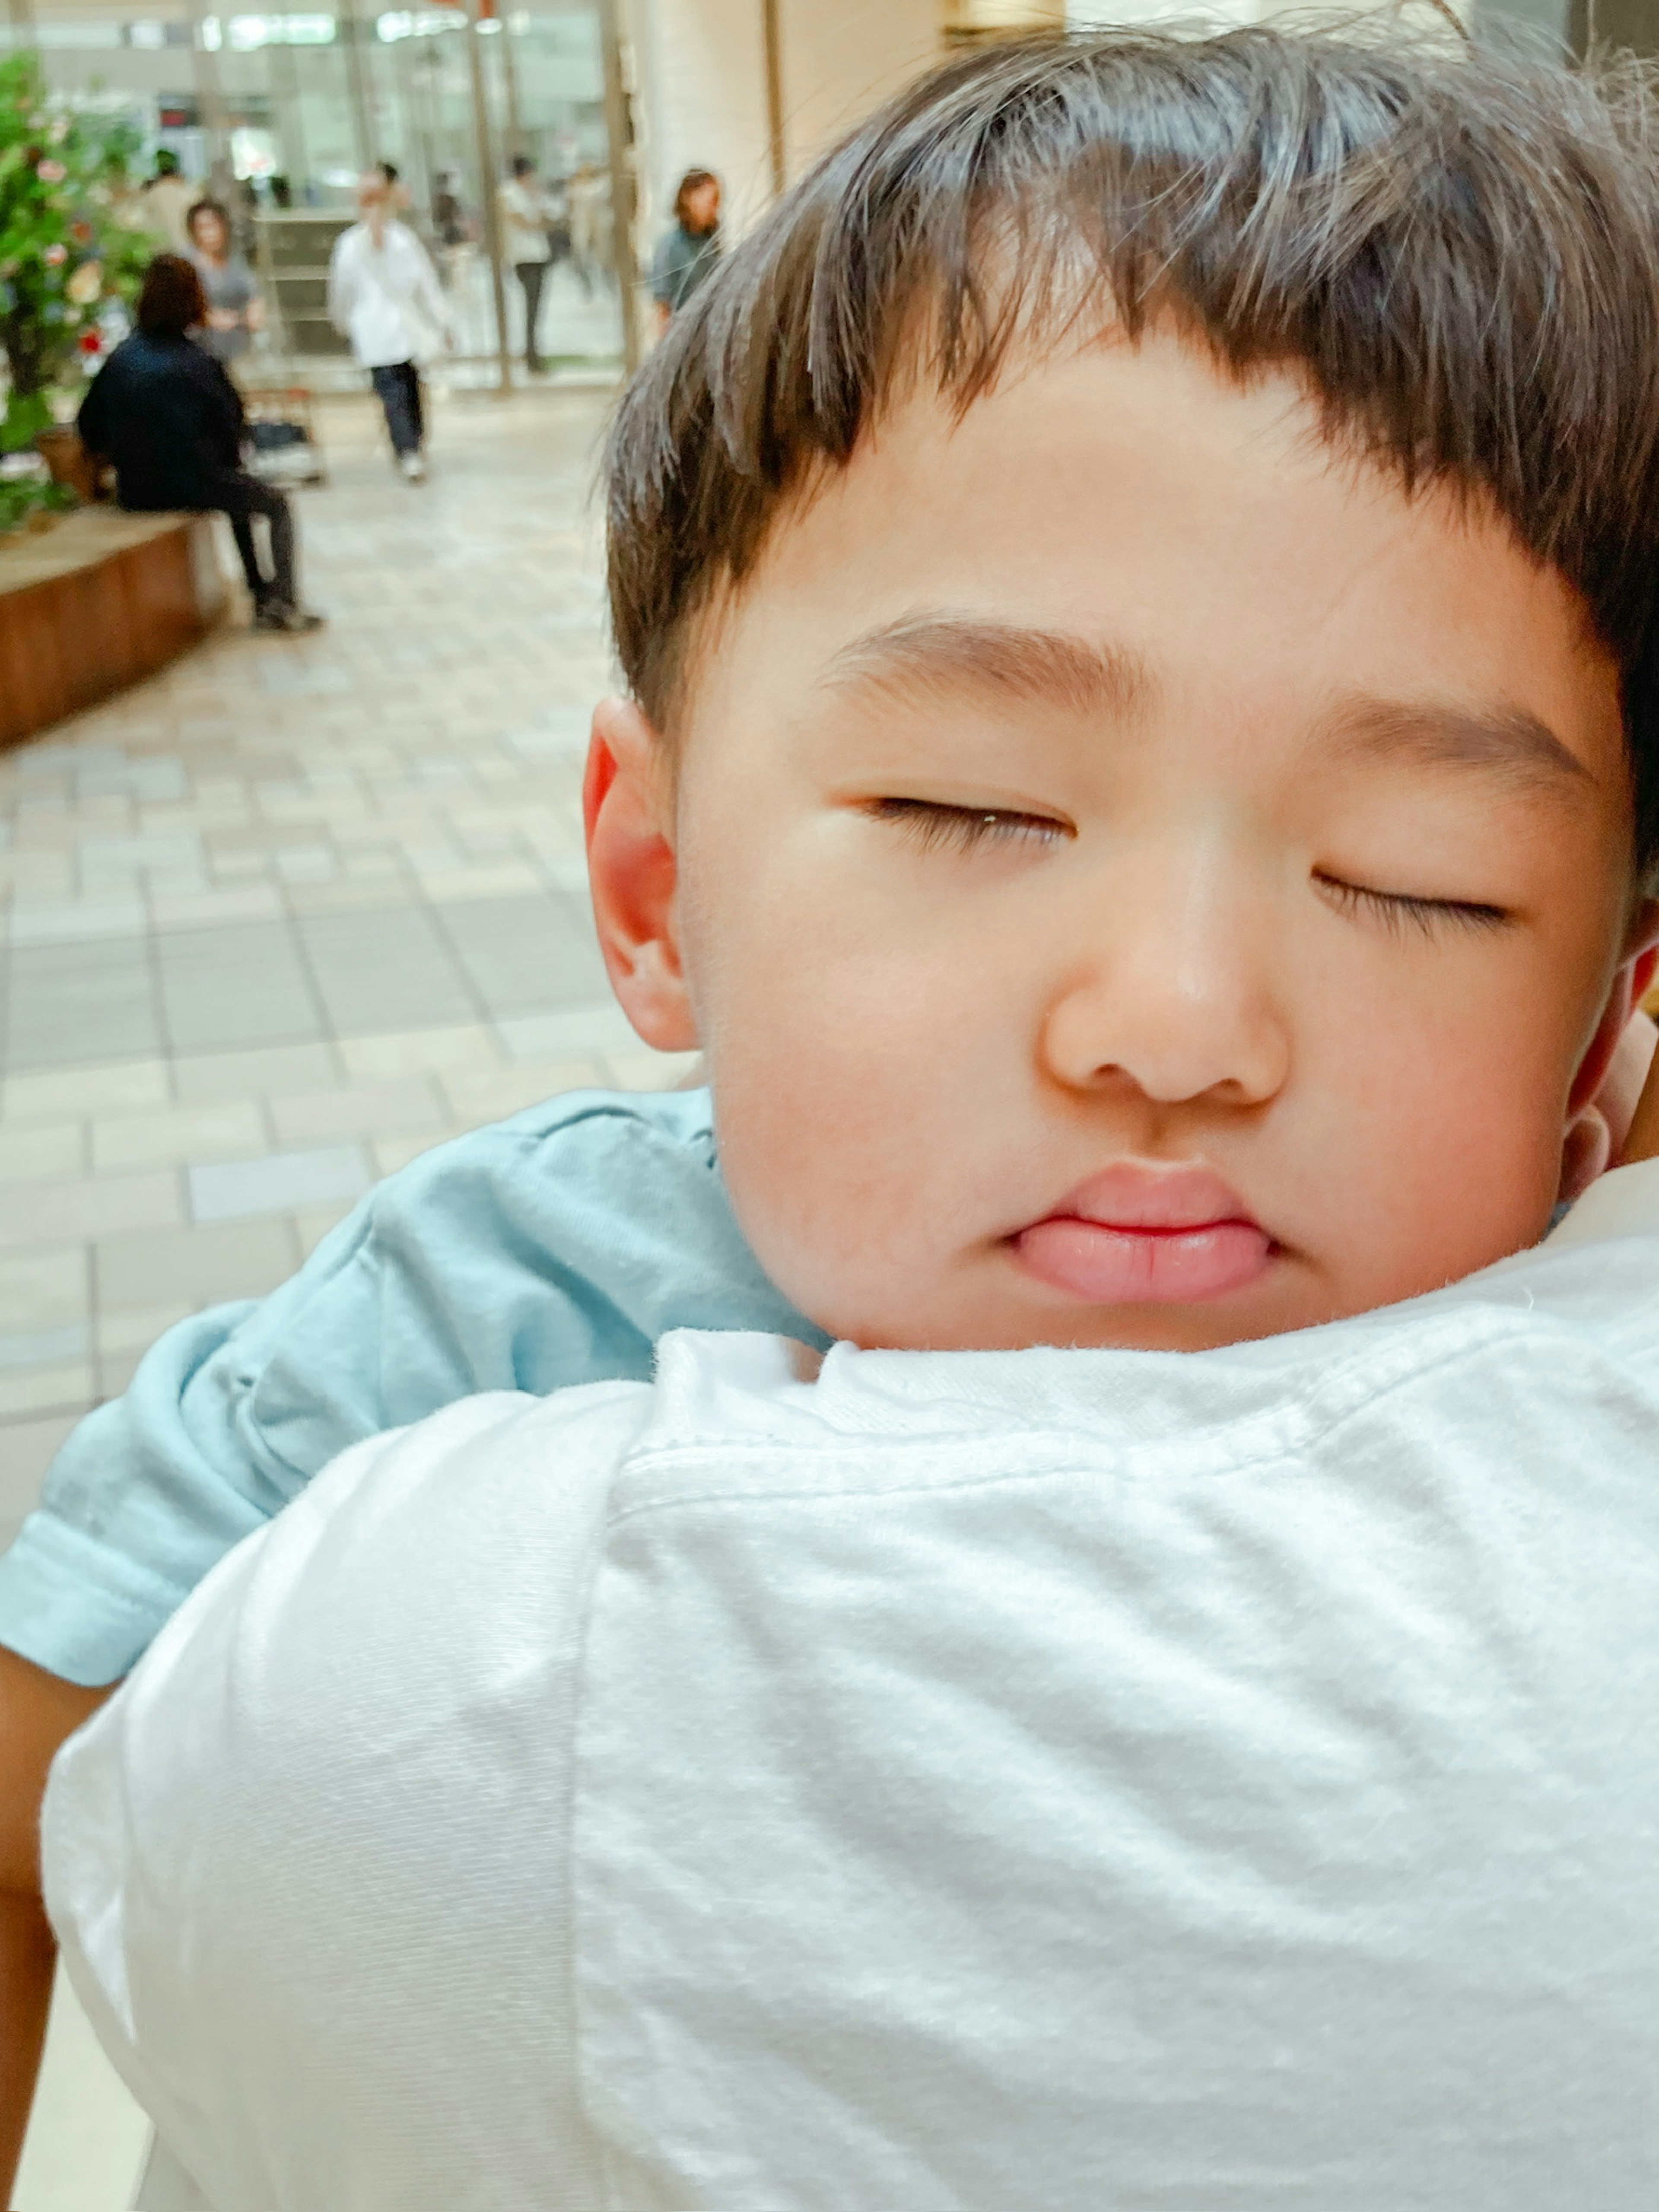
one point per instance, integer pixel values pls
(385, 298)
(524, 213)
(1023, 1782)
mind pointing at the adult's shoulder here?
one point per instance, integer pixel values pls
(206, 370)
(396, 1657)
(124, 360)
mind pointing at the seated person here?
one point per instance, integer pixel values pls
(163, 410)
(1141, 776)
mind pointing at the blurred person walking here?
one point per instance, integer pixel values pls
(450, 225)
(384, 295)
(165, 201)
(687, 252)
(526, 217)
(234, 308)
(453, 228)
(165, 412)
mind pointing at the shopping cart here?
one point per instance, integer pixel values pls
(282, 431)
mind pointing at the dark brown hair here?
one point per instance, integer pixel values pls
(173, 300)
(692, 181)
(1459, 247)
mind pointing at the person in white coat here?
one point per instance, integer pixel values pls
(384, 295)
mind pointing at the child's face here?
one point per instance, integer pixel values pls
(1137, 878)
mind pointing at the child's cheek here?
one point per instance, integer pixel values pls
(1466, 1172)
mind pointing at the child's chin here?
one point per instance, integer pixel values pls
(1007, 1309)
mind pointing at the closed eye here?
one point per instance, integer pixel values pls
(1400, 912)
(937, 827)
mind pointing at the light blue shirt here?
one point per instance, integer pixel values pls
(551, 1249)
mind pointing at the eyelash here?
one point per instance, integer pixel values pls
(965, 829)
(1398, 911)
(937, 828)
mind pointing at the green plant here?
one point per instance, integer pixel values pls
(63, 249)
(22, 496)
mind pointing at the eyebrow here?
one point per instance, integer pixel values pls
(940, 654)
(1508, 743)
(935, 654)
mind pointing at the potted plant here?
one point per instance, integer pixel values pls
(64, 250)
(30, 502)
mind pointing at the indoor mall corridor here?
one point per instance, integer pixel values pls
(296, 910)
(272, 924)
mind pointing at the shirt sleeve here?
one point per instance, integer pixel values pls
(552, 1250)
(92, 421)
(339, 284)
(662, 270)
(429, 291)
(227, 414)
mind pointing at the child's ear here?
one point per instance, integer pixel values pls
(633, 875)
(1610, 1075)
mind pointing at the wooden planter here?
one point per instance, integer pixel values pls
(94, 604)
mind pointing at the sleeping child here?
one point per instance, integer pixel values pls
(1112, 1661)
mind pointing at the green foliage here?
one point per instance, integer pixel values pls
(22, 496)
(65, 247)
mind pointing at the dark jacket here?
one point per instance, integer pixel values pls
(170, 419)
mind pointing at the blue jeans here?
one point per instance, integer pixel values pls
(398, 388)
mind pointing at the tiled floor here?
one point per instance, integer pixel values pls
(276, 921)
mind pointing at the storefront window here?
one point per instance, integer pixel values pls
(281, 113)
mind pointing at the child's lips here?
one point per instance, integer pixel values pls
(1144, 1233)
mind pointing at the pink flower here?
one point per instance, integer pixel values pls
(51, 172)
(55, 256)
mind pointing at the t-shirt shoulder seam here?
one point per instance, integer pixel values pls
(516, 1138)
(516, 1129)
(1319, 1423)
(520, 1133)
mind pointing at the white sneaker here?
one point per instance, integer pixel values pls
(413, 466)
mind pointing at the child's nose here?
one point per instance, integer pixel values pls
(1174, 994)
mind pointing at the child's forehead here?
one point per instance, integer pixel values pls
(1152, 430)
(1113, 488)
(1128, 536)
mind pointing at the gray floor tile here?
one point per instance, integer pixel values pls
(26, 1452)
(42, 1347)
(381, 969)
(194, 1266)
(527, 956)
(224, 990)
(80, 1002)
(406, 1107)
(68, 1213)
(457, 737)
(600, 1028)
(225, 1190)
(209, 1079)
